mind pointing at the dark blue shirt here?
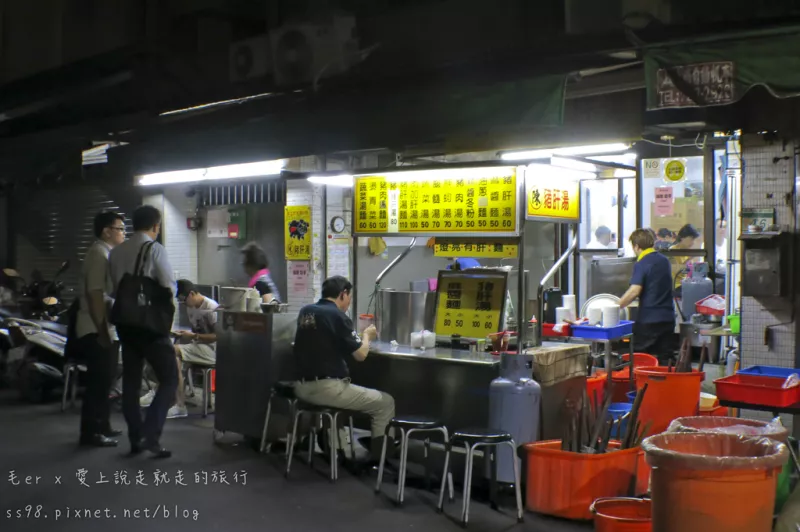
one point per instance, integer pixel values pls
(654, 274)
(324, 341)
(465, 264)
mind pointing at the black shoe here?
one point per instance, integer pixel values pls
(112, 433)
(156, 452)
(97, 440)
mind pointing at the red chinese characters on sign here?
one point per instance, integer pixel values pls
(560, 203)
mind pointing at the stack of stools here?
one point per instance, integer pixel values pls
(472, 440)
(407, 426)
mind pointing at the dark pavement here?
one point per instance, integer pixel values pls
(227, 487)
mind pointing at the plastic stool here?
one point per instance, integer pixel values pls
(71, 371)
(332, 414)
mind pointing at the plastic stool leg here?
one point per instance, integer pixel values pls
(266, 424)
(445, 477)
(381, 464)
(467, 484)
(517, 481)
(291, 442)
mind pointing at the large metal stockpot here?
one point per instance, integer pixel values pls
(401, 313)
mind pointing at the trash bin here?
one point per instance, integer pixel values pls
(561, 372)
(707, 481)
(748, 428)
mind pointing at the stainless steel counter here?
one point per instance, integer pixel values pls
(441, 354)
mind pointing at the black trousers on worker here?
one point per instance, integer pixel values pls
(101, 368)
(656, 339)
(139, 346)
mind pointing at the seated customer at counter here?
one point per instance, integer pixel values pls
(651, 282)
(197, 347)
(256, 266)
(325, 339)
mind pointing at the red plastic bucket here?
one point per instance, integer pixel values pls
(622, 515)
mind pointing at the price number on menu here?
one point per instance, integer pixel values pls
(469, 306)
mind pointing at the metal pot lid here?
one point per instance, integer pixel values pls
(600, 301)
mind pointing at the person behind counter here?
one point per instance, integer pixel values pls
(651, 282)
(463, 264)
(197, 347)
(688, 238)
(256, 266)
(602, 239)
(325, 339)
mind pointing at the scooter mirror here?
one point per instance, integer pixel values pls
(64, 267)
(10, 272)
(50, 301)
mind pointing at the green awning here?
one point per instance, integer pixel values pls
(720, 73)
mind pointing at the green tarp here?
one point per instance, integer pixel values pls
(720, 73)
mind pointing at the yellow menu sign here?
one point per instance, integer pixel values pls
(298, 232)
(470, 200)
(475, 248)
(552, 200)
(468, 305)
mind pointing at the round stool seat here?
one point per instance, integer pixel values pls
(416, 422)
(314, 409)
(481, 435)
(284, 389)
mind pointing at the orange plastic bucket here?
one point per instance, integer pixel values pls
(669, 395)
(694, 472)
(596, 385)
(622, 515)
(213, 381)
(621, 379)
(565, 484)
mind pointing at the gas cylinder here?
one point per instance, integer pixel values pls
(514, 404)
(694, 287)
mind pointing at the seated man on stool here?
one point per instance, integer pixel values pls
(325, 340)
(197, 347)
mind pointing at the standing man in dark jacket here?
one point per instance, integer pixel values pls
(97, 339)
(651, 282)
(140, 345)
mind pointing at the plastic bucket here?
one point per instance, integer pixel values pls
(631, 396)
(621, 380)
(691, 473)
(622, 515)
(596, 385)
(615, 412)
(734, 323)
(669, 395)
(565, 484)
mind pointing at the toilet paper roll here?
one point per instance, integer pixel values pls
(564, 313)
(569, 302)
(595, 315)
(611, 316)
(416, 340)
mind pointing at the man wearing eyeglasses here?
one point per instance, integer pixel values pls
(197, 347)
(97, 339)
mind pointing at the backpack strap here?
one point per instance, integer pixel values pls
(141, 259)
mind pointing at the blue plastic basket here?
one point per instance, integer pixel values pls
(590, 332)
(615, 413)
(768, 371)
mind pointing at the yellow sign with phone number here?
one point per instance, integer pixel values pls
(476, 202)
(469, 306)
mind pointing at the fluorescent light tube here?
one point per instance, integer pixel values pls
(216, 173)
(345, 181)
(573, 165)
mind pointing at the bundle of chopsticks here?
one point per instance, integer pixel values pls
(589, 429)
(684, 363)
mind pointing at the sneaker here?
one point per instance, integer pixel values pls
(147, 399)
(177, 411)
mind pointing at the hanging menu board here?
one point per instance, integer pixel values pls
(468, 200)
(470, 304)
(552, 200)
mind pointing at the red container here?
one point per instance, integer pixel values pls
(755, 390)
(547, 330)
(213, 381)
(596, 385)
(717, 411)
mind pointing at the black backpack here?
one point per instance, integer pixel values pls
(142, 303)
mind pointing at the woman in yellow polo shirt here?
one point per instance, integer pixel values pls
(688, 238)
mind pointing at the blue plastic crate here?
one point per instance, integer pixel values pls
(590, 332)
(768, 371)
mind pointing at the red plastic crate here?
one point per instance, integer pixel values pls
(547, 330)
(755, 390)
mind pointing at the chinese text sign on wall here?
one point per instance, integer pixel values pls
(298, 232)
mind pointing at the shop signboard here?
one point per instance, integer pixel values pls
(297, 221)
(552, 200)
(451, 201)
(710, 83)
(476, 248)
(469, 305)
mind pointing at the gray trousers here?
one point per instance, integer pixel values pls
(340, 393)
